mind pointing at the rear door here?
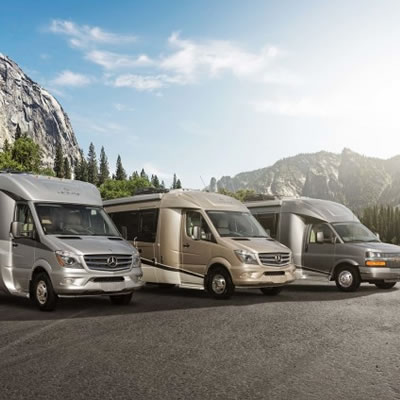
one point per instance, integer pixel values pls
(23, 248)
(318, 258)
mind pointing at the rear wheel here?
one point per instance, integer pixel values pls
(272, 291)
(219, 283)
(121, 299)
(347, 278)
(42, 292)
(384, 285)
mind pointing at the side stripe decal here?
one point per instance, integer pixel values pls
(168, 268)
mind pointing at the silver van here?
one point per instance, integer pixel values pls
(202, 240)
(56, 240)
(329, 242)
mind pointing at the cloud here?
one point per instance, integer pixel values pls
(123, 107)
(141, 82)
(110, 60)
(151, 169)
(303, 107)
(69, 78)
(192, 59)
(82, 36)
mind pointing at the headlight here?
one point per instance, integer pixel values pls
(135, 260)
(373, 254)
(67, 259)
(246, 257)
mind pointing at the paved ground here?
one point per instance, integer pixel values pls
(310, 342)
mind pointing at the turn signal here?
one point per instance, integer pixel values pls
(375, 263)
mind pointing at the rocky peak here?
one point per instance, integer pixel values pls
(25, 103)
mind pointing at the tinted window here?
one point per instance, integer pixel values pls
(194, 218)
(269, 222)
(24, 216)
(327, 231)
(137, 225)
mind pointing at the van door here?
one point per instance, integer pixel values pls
(318, 257)
(146, 243)
(195, 253)
(23, 248)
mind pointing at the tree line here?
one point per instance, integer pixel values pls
(26, 156)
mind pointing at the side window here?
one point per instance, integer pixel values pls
(23, 215)
(148, 225)
(327, 231)
(269, 222)
(194, 218)
(127, 223)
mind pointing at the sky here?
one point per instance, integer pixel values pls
(213, 88)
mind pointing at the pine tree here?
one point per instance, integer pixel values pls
(84, 170)
(143, 174)
(18, 133)
(93, 172)
(104, 169)
(6, 146)
(135, 175)
(59, 162)
(162, 186)
(67, 169)
(155, 181)
(178, 184)
(120, 174)
(174, 182)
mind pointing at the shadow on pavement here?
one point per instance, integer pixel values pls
(154, 299)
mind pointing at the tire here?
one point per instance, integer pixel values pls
(121, 299)
(219, 283)
(385, 285)
(42, 293)
(347, 278)
(272, 291)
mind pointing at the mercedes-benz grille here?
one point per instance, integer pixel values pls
(274, 259)
(109, 262)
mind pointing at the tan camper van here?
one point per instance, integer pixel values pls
(202, 240)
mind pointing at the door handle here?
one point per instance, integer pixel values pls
(186, 245)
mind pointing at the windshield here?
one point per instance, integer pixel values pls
(354, 232)
(72, 219)
(236, 224)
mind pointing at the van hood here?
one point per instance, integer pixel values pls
(376, 247)
(256, 245)
(90, 244)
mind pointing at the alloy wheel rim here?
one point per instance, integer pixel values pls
(41, 292)
(218, 284)
(346, 279)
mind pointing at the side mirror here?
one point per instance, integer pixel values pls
(17, 229)
(124, 232)
(320, 237)
(377, 235)
(196, 233)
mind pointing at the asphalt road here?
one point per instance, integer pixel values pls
(310, 342)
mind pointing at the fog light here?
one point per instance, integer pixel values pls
(249, 275)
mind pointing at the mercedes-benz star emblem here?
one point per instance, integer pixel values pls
(278, 258)
(112, 262)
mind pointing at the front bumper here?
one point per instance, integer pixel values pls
(82, 282)
(255, 276)
(370, 274)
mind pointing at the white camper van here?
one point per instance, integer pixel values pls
(202, 240)
(56, 240)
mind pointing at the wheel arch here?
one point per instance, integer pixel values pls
(343, 263)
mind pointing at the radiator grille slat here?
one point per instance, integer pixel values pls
(101, 262)
(274, 259)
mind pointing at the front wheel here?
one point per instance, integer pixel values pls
(219, 283)
(347, 278)
(385, 285)
(42, 292)
(121, 299)
(272, 291)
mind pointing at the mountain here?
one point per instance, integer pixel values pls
(38, 113)
(350, 178)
